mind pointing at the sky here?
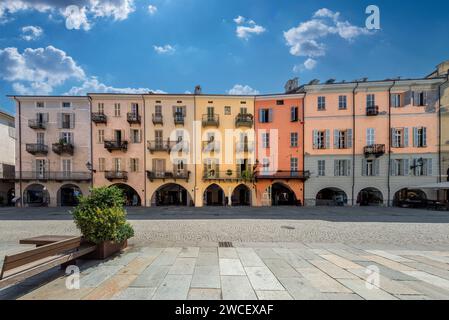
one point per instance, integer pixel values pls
(71, 47)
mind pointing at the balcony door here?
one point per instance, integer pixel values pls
(40, 138)
(159, 167)
(41, 168)
(210, 113)
(118, 136)
(66, 168)
(135, 109)
(117, 164)
(158, 137)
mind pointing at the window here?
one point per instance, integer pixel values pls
(158, 137)
(342, 103)
(101, 164)
(40, 138)
(67, 137)
(244, 110)
(342, 139)
(158, 110)
(117, 109)
(135, 108)
(320, 139)
(265, 115)
(134, 165)
(321, 103)
(422, 167)
(420, 98)
(266, 140)
(397, 100)
(370, 101)
(294, 114)
(293, 139)
(66, 166)
(370, 136)
(66, 104)
(293, 164)
(101, 108)
(400, 137)
(135, 136)
(40, 104)
(227, 110)
(210, 113)
(420, 137)
(117, 164)
(370, 167)
(400, 167)
(66, 120)
(41, 168)
(180, 165)
(279, 102)
(265, 165)
(342, 168)
(101, 136)
(321, 168)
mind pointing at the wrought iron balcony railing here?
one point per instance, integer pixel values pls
(283, 174)
(376, 150)
(98, 117)
(372, 111)
(53, 176)
(133, 117)
(228, 175)
(63, 148)
(244, 120)
(159, 146)
(158, 118)
(245, 147)
(165, 175)
(36, 148)
(116, 175)
(116, 145)
(210, 120)
(178, 118)
(37, 124)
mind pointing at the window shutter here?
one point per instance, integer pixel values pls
(315, 139)
(336, 135)
(406, 169)
(349, 138)
(364, 167)
(415, 136)
(72, 137)
(429, 167)
(184, 111)
(46, 117)
(424, 134)
(405, 137)
(424, 94)
(408, 98)
(393, 100)
(392, 167)
(336, 168)
(432, 98)
(415, 98)
(377, 167)
(328, 138)
(261, 115)
(270, 115)
(393, 140)
(367, 136)
(72, 120)
(348, 168)
(174, 110)
(59, 120)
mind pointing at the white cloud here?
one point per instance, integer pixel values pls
(92, 85)
(304, 40)
(167, 49)
(250, 28)
(30, 33)
(79, 14)
(239, 89)
(309, 64)
(152, 9)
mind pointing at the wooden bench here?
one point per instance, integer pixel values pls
(23, 265)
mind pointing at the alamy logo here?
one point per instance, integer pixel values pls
(373, 20)
(373, 279)
(73, 280)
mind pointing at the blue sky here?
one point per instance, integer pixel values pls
(126, 45)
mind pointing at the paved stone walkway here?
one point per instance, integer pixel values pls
(252, 271)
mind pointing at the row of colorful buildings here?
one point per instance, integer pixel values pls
(334, 143)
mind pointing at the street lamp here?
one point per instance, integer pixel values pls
(90, 167)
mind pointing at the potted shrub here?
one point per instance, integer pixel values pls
(101, 219)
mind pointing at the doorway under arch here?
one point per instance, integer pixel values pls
(68, 195)
(370, 197)
(410, 198)
(10, 196)
(241, 196)
(214, 196)
(331, 197)
(132, 198)
(171, 194)
(282, 195)
(36, 195)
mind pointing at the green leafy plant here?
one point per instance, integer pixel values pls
(101, 217)
(247, 175)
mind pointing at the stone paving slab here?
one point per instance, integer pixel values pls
(280, 271)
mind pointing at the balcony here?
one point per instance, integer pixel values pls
(159, 146)
(376, 150)
(244, 147)
(98, 117)
(244, 120)
(211, 146)
(53, 176)
(283, 174)
(168, 175)
(63, 148)
(133, 118)
(36, 148)
(210, 120)
(372, 111)
(228, 175)
(116, 145)
(178, 118)
(158, 118)
(116, 175)
(37, 124)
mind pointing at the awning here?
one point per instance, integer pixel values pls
(434, 186)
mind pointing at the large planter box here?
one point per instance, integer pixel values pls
(107, 249)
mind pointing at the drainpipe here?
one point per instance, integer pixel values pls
(439, 131)
(353, 141)
(389, 144)
(91, 143)
(19, 107)
(303, 145)
(144, 151)
(194, 151)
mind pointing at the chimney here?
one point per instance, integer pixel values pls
(291, 85)
(198, 89)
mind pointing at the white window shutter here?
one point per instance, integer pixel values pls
(405, 137)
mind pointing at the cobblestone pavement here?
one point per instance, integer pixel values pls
(249, 272)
